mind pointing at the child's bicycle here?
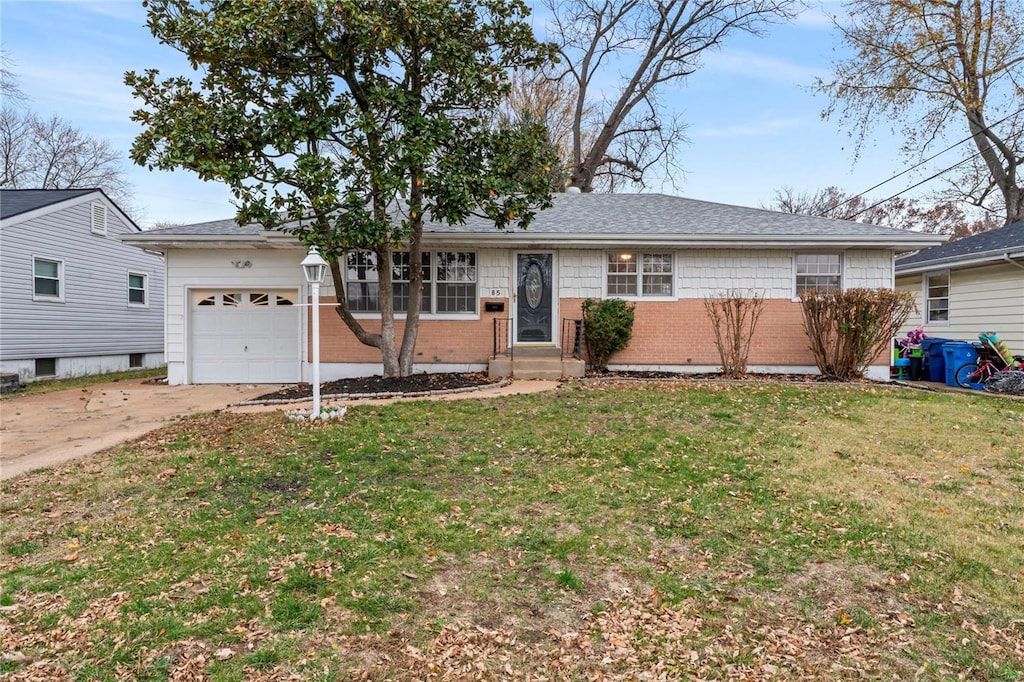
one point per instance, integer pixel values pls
(990, 362)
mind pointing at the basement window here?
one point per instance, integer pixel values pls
(46, 367)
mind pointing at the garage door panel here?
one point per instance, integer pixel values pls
(240, 336)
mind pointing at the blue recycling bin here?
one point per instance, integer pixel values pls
(956, 354)
(931, 348)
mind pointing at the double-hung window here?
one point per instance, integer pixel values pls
(137, 288)
(47, 279)
(937, 297)
(818, 272)
(632, 273)
(449, 282)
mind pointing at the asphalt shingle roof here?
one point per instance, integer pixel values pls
(623, 214)
(1007, 238)
(17, 201)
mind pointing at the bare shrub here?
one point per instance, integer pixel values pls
(849, 329)
(734, 318)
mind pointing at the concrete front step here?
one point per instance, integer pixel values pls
(546, 368)
(536, 352)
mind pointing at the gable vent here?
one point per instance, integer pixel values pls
(99, 218)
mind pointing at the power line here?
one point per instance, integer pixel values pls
(916, 166)
(928, 179)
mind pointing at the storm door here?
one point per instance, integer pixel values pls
(534, 310)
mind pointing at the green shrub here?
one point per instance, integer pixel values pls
(850, 329)
(607, 329)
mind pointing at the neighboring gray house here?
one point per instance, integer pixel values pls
(969, 286)
(74, 300)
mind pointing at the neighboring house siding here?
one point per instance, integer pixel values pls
(94, 318)
(981, 299)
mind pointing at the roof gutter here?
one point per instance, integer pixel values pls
(940, 263)
(1010, 259)
(548, 240)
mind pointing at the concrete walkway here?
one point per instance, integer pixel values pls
(46, 429)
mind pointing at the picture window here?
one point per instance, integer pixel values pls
(818, 272)
(632, 273)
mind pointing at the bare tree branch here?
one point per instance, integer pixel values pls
(653, 42)
(928, 66)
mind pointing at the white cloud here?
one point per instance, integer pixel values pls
(753, 129)
(819, 15)
(761, 67)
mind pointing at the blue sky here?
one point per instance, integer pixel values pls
(754, 123)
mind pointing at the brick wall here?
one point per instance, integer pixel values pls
(680, 333)
(439, 341)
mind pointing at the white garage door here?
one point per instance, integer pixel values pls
(245, 337)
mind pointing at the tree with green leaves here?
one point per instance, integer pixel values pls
(351, 123)
(931, 66)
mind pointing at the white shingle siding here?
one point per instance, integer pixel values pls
(492, 271)
(867, 269)
(581, 274)
(708, 272)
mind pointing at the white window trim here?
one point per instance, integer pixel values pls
(925, 298)
(426, 315)
(59, 298)
(145, 289)
(98, 218)
(674, 296)
(842, 269)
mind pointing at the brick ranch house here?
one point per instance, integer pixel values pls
(234, 293)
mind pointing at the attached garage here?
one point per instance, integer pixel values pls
(244, 336)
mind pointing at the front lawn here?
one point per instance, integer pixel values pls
(602, 531)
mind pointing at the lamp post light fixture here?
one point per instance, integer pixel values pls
(315, 267)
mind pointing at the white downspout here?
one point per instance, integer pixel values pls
(1006, 257)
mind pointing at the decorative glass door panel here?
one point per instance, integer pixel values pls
(533, 300)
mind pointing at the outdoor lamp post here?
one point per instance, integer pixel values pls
(315, 267)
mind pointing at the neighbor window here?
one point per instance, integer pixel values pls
(449, 282)
(631, 273)
(137, 294)
(47, 279)
(818, 272)
(937, 297)
(136, 360)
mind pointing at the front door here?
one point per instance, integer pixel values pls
(534, 310)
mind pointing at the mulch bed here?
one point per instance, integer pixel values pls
(378, 385)
(423, 383)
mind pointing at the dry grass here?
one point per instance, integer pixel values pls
(610, 531)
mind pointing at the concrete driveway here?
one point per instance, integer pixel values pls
(42, 430)
(49, 428)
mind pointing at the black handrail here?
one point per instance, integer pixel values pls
(501, 345)
(572, 338)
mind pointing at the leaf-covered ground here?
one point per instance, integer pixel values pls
(606, 531)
